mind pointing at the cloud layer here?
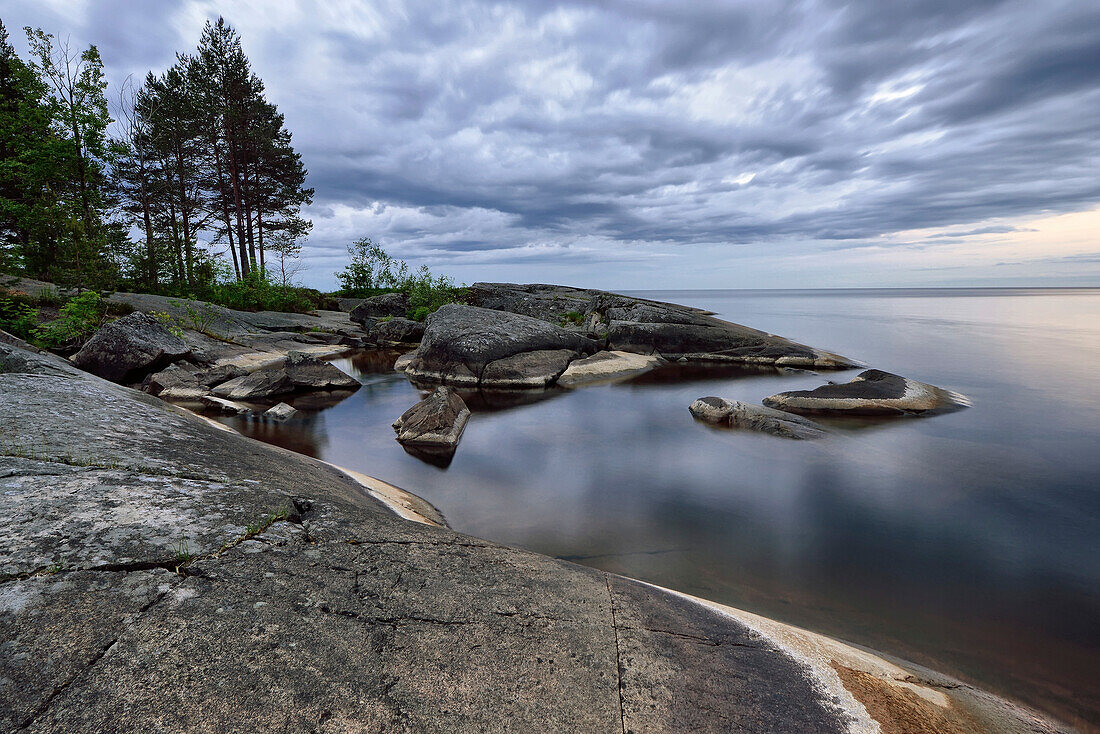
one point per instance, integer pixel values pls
(649, 143)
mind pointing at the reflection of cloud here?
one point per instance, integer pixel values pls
(507, 137)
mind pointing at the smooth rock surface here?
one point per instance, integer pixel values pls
(437, 421)
(127, 349)
(872, 392)
(461, 343)
(735, 414)
(607, 365)
(224, 406)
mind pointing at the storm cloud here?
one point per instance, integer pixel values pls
(661, 141)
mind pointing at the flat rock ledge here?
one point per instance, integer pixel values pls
(735, 414)
(607, 366)
(872, 392)
(160, 574)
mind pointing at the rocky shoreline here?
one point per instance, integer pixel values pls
(160, 573)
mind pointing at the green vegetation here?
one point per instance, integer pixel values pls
(255, 528)
(572, 318)
(183, 553)
(372, 272)
(196, 160)
(78, 317)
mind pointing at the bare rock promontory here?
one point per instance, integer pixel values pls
(871, 392)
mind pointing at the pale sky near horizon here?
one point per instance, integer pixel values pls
(653, 144)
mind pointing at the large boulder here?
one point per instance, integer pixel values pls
(376, 307)
(606, 366)
(461, 344)
(307, 372)
(735, 414)
(128, 349)
(398, 330)
(436, 422)
(872, 392)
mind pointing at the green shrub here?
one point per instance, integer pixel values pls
(572, 318)
(79, 319)
(17, 318)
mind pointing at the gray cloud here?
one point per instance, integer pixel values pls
(598, 131)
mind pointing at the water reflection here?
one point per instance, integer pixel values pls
(966, 541)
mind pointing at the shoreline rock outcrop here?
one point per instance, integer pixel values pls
(157, 573)
(871, 392)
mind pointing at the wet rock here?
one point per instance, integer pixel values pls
(403, 361)
(280, 412)
(397, 330)
(130, 348)
(261, 384)
(461, 342)
(307, 372)
(436, 422)
(226, 407)
(606, 365)
(376, 307)
(872, 392)
(735, 414)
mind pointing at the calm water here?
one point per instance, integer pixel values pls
(969, 542)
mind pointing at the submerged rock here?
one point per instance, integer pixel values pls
(736, 414)
(607, 365)
(461, 344)
(130, 348)
(872, 392)
(436, 422)
(280, 412)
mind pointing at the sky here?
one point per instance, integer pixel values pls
(654, 144)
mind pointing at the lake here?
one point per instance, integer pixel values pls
(969, 542)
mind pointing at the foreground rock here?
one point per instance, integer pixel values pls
(467, 345)
(129, 348)
(872, 392)
(629, 324)
(606, 366)
(164, 575)
(735, 414)
(435, 423)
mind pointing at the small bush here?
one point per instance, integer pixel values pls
(17, 318)
(572, 318)
(79, 319)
